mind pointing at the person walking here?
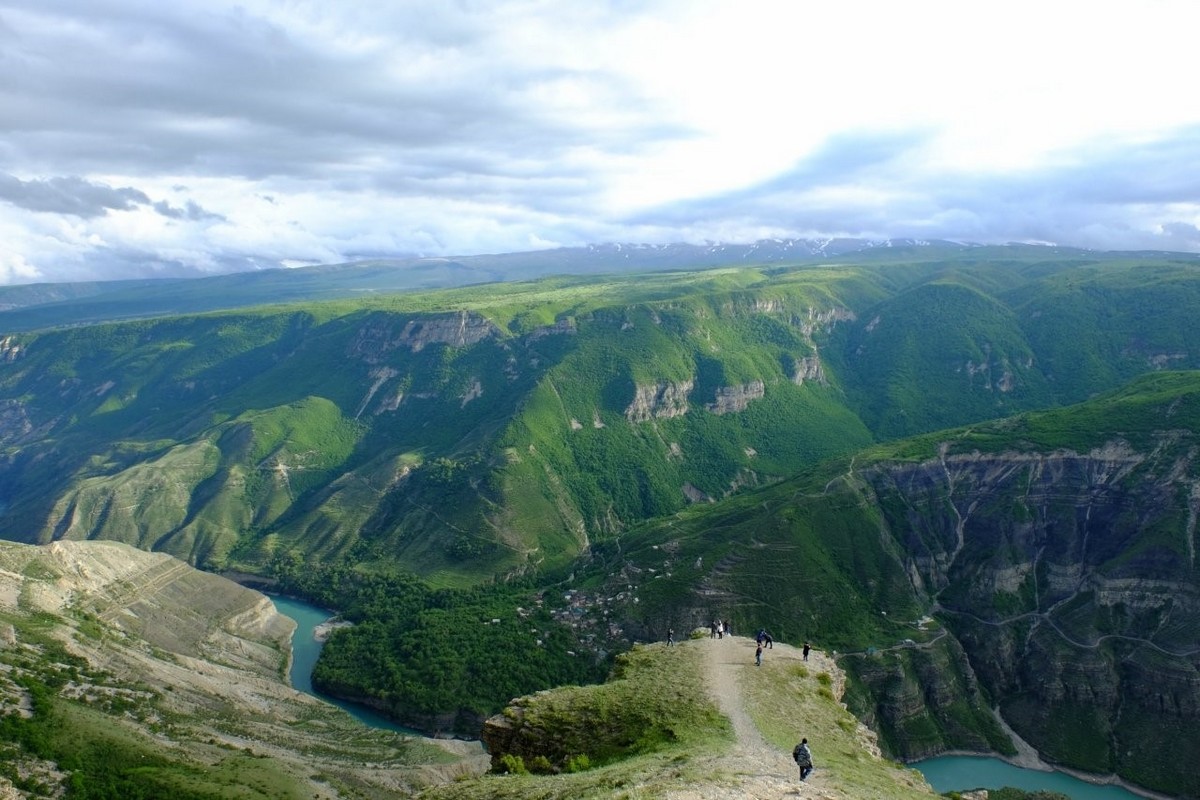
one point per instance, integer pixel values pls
(803, 758)
(758, 655)
(670, 636)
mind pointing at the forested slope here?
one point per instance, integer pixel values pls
(498, 429)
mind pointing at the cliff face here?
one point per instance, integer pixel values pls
(730, 399)
(375, 340)
(661, 400)
(921, 697)
(1071, 582)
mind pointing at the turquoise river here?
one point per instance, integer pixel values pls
(945, 773)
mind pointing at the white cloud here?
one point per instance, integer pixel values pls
(146, 138)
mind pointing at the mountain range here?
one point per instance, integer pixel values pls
(969, 470)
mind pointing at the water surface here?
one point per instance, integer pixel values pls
(958, 773)
(306, 649)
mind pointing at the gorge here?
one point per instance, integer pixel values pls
(965, 470)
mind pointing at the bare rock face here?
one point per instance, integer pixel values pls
(378, 338)
(10, 349)
(809, 369)
(731, 399)
(565, 326)
(661, 400)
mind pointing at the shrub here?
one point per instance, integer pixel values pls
(512, 765)
(540, 765)
(578, 763)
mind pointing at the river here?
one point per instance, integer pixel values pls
(957, 773)
(944, 773)
(306, 649)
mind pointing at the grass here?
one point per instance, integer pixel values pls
(785, 700)
(788, 701)
(651, 728)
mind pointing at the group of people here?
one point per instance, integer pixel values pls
(762, 639)
(801, 753)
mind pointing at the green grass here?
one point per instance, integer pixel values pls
(643, 732)
(785, 700)
(788, 701)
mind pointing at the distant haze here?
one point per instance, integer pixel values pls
(143, 138)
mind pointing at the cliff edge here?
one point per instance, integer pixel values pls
(694, 721)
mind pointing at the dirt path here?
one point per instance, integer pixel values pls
(753, 768)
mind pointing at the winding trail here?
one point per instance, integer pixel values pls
(752, 768)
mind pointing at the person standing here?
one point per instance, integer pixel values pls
(803, 758)
(758, 655)
(670, 636)
(807, 648)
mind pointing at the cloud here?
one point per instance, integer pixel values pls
(1110, 195)
(69, 195)
(191, 211)
(228, 134)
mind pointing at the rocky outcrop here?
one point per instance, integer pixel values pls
(474, 391)
(565, 326)
(14, 422)
(379, 337)
(809, 369)
(823, 319)
(996, 375)
(730, 399)
(10, 349)
(661, 400)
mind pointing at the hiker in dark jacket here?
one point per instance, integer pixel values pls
(803, 758)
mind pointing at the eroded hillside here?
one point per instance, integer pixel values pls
(122, 668)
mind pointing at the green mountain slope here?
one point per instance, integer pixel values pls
(498, 429)
(690, 445)
(1045, 564)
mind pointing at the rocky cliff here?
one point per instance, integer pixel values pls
(660, 400)
(730, 399)
(1070, 580)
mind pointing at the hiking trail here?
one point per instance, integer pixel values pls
(753, 768)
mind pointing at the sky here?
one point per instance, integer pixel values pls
(143, 138)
